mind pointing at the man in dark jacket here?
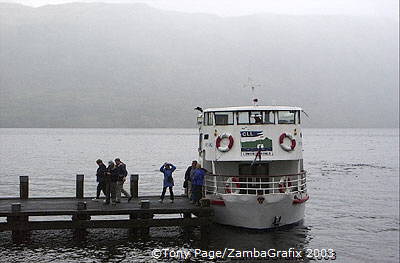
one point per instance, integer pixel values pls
(101, 180)
(122, 173)
(188, 178)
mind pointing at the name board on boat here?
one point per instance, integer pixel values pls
(253, 142)
(251, 133)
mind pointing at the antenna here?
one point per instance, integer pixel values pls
(255, 100)
(250, 84)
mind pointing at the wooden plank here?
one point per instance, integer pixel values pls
(68, 206)
(85, 198)
(135, 223)
(197, 212)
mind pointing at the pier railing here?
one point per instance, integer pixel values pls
(255, 184)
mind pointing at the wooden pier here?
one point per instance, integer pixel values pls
(141, 213)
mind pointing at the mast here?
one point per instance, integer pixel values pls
(252, 86)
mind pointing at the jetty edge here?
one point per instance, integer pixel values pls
(144, 212)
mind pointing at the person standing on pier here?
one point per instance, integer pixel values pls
(197, 184)
(167, 169)
(122, 173)
(112, 171)
(108, 183)
(188, 178)
(100, 174)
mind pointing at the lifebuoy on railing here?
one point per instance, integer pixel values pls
(284, 146)
(232, 185)
(284, 185)
(300, 200)
(226, 147)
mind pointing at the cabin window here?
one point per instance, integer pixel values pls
(256, 117)
(208, 119)
(286, 117)
(223, 118)
(243, 117)
(200, 141)
(298, 117)
(269, 117)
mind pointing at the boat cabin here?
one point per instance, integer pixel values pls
(251, 141)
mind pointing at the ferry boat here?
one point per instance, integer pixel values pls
(254, 157)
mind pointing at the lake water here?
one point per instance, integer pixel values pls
(353, 182)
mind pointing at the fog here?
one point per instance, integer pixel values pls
(134, 65)
(388, 8)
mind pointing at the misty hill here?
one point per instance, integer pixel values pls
(129, 65)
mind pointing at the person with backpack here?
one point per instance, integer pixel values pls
(101, 180)
(167, 169)
(122, 173)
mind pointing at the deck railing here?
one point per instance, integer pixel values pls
(255, 184)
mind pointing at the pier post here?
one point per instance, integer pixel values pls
(205, 202)
(205, 230)
(133, 232)
(79, 186)
(206, 224)
(145, 231)
(144, 204)
(19, 222)
(24, 187)
(135, 185)
(204, 234)
(186, 228)
(79, 231)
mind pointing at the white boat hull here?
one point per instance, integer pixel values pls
(251, 211)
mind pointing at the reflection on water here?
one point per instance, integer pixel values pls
(107, 245)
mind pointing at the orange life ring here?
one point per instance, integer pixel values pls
(228, 185)
(302, 200)
(284, 146)
(226, 147)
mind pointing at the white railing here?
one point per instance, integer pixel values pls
(255, 184)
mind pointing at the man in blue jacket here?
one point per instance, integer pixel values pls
(167, 169)
(197, 184)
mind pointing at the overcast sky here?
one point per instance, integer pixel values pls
(388, 8)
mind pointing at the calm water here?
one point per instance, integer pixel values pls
(353, 182)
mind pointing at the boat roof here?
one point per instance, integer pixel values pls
(253, 108)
